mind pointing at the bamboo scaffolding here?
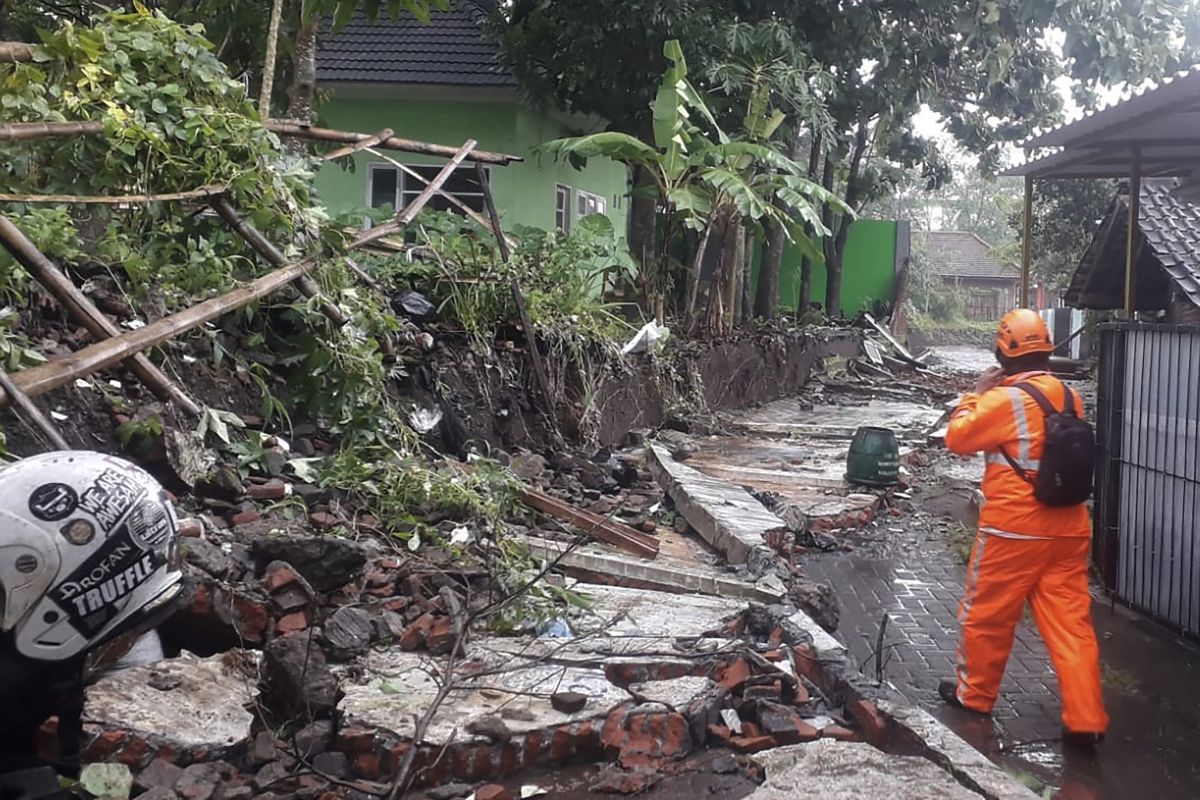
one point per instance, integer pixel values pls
(304, 283)
(540, 375)
(454, 201)
(32, 412)
(82, 309)
(14, 52)
(283, 128)
(410, 212)
(120, 199)
(365, 144)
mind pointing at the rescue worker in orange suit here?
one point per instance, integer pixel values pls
(1024, 551)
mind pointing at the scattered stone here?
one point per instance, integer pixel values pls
(323, 520)
(107, 780)
(724, 764)
(207, 557)
(245, 518)
(298, 682)
(818, 601)
(274, 462)
(490, 726)
(158, 793)
(327, 563)
(270, 775)
(265, 749)
(316, 737)
(335, 765)
(785, 725)
(614, 780)
(528, 466)
(159, 774)
(198, 782)
(291, 623)
(451, 791)
(348, 633)
(568, 702)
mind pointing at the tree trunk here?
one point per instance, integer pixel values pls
(806, 264)
(827, 248)
(643, 221)
(304, 74)
(746, 258)
(268, 73)
(766, 298)
(835, 249)
(693, 288)
(731, 268)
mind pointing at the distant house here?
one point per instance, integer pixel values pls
(1167, 270)
(964, 262)
(442, 82)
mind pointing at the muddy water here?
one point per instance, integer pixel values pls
(972, 360)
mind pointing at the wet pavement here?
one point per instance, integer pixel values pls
(913, 572)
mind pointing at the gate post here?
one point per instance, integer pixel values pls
(1109, 410)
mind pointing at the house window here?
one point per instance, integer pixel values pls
(388, 186)
(591, 204)
(562, 208)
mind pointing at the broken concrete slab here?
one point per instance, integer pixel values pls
(912, 422)
(196, 707)
(952, 753)
(726, 516)
(593, 565)
(834, 770)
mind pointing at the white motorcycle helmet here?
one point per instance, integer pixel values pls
(88, 550)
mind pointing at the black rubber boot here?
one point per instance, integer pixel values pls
(1081, 741)
(948, 690)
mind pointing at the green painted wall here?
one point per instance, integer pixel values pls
(868, 272)
(524, 191)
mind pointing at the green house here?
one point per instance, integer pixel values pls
(442, 82)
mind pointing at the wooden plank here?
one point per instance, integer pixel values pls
(602, 528)
(284, 128)
(32, 412)
(85, 312)
(364, 144)
(304, 284)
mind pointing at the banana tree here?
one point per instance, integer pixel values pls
(706, 181)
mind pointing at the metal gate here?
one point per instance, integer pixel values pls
(1148, 484)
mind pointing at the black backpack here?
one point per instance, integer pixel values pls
(1068, 454)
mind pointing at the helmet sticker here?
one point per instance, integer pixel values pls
(149, 523)
(51, 502)
(94, 593)
(111, 496)
(79, 532)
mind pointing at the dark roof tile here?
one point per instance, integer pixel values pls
(451, 50)
(957, 254)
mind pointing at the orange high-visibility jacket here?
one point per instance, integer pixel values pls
(1008, 417)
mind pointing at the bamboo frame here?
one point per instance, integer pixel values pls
(82, 309)
(15, 52)
(1132, 251)
(1026, 240)
(120, 199)
(284, 128)
(304, 284)
(365, 144)
(18, 131)
(34, 414)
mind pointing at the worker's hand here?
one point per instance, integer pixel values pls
(989, 380)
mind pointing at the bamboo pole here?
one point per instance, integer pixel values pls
(535, 355)
(95, 357)
(454, 201)
(82, 309)
(16, 131)
(414, 208)
(1026, 240)
(283, 128)
(120, 199)
(28, 409)
(14, 52)
(304, 284)
(365, 144)
(1133, 226)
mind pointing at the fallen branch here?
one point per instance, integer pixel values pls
(604, 529)
(365, 144)
(85, 312)
(283, 128)
(14, 52)
(120, 199)
(15, 131)
(32, 412)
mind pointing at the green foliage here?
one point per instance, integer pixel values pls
(343, 10)
(1066, 216)
(138, 437)
(173, 121)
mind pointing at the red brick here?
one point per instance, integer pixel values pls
(291, 623)
(366, 766)
(191, 528)
(873, 723)
(135, 753)
(532, 752)
(509, 761)
(802, 694)
(560, 743)
(807, 663)
(104, 745)
(492, 791)
(784, 725)
(355, 741)
(278, 575)
(736, 626)
(440, 637)
(251, 618)
(720, 735)
(415, 635)
(483, 763)
(734, 674)
(390, 562)
(751, 729)
(395, 757)
(323, 520)
(753, 744)
(245, 518)
(271, 490)
(776, 637)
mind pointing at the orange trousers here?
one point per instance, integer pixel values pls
(1052, 574)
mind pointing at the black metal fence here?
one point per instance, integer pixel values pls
(1148, 483)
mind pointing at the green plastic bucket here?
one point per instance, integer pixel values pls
(874, 458)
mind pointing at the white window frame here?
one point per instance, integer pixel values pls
(598, 202)
(407, 184)
(566, 211)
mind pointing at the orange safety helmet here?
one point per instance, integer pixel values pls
(1023, 331)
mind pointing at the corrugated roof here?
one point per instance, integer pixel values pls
(450, 50)
(959, 254)
(1170, 228)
